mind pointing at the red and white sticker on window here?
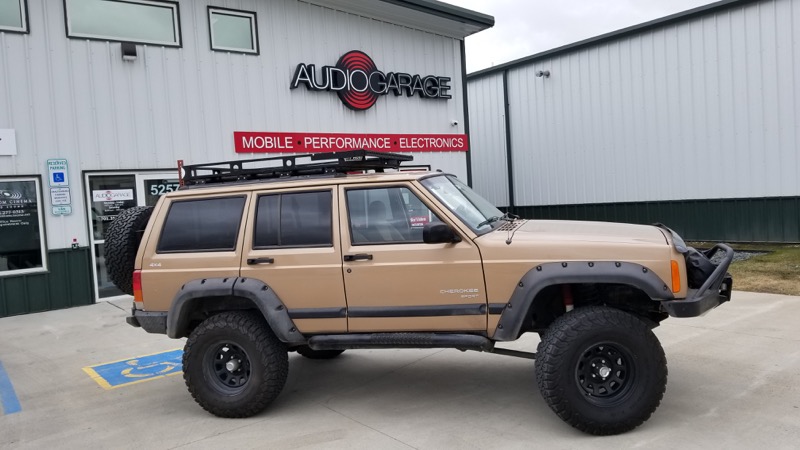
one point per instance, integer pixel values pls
(283, 142)
(419, 221)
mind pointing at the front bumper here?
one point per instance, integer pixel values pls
(152, 322)
(698, 305)
(715, 291)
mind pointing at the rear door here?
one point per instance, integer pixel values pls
(394, 281)
(292, 244)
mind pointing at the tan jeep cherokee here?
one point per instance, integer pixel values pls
(323, 253)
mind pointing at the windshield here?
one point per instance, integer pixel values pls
(470, 207)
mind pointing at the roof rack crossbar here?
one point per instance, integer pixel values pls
(288, 166)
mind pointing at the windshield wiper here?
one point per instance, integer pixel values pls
(507, 217)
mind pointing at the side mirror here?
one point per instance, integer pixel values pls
(439, 233)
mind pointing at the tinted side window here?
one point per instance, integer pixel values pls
(202, 225)
(267, 222)
(294, 220)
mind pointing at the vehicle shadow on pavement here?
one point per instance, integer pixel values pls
(444, 381)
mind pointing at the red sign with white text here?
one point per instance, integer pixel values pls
(280, 142)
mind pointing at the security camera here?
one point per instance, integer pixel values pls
(543, 73)
(454, 123)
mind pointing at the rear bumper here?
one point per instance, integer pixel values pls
(152, 322)
(695, 306)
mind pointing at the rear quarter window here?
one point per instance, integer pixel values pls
(202, 225)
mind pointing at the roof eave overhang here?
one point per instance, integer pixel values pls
(426, 15)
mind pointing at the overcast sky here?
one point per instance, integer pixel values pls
(525, 27)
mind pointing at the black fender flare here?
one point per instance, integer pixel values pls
(513, 317)
(256, 291)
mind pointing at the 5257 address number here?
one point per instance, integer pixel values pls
(161, 189)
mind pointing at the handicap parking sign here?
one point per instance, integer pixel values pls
(136, 370)
(57, 168)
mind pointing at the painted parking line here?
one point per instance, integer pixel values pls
(8, 398)
(138, 369)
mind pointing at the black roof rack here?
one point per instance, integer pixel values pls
(331, 163)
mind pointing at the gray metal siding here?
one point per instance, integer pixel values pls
(488, 138)
(705, 108)
(77, 99)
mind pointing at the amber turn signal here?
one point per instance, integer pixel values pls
(676, 277)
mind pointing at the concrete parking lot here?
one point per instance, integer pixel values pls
(733, 383)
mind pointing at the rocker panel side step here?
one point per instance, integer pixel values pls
(399, 340)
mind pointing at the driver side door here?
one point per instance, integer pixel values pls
(396, 282)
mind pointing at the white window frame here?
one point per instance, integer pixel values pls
(238, 13)
(42, 230)
(23, 11)
(176, 23)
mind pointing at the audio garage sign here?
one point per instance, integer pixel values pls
(282, 142)
(359, 83)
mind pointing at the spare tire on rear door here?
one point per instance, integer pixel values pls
(122, 243)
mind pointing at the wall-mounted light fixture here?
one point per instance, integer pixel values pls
(128, 51)
(543, 73)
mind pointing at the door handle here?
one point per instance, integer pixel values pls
(358, 257)
(254, 261)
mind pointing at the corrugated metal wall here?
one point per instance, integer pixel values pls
(705, 108)
(488, 134)
(77, 99)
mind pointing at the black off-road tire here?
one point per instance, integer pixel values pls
(122, 243)
(262, 364)
(318, 354)
(586, 343)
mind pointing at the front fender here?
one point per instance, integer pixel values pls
(516, 310)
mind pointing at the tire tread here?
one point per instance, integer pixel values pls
(555, 344)
(272, 356)
(122, 244)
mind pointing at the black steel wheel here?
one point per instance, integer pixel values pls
(227, 366)
(601, 370)
(605, 372)
(318, 354)
(234, 365)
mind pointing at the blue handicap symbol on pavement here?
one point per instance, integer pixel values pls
(135, 370)
(58, 177)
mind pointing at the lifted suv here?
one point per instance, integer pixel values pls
(322, 253)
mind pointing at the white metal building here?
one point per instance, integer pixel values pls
(100, 98)
(692, 120)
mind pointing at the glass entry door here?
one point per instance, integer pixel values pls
(108, 194)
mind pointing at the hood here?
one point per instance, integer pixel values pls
(578, 231)
(567, 240)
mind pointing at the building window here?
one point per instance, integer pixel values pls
(139, 21)
(220, 219)
(22, 244)
(232, 30)
(300, 219)
(14, 16)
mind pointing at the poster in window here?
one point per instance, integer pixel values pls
(110, 195)
(20, 226)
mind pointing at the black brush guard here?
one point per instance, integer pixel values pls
(715, 291)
